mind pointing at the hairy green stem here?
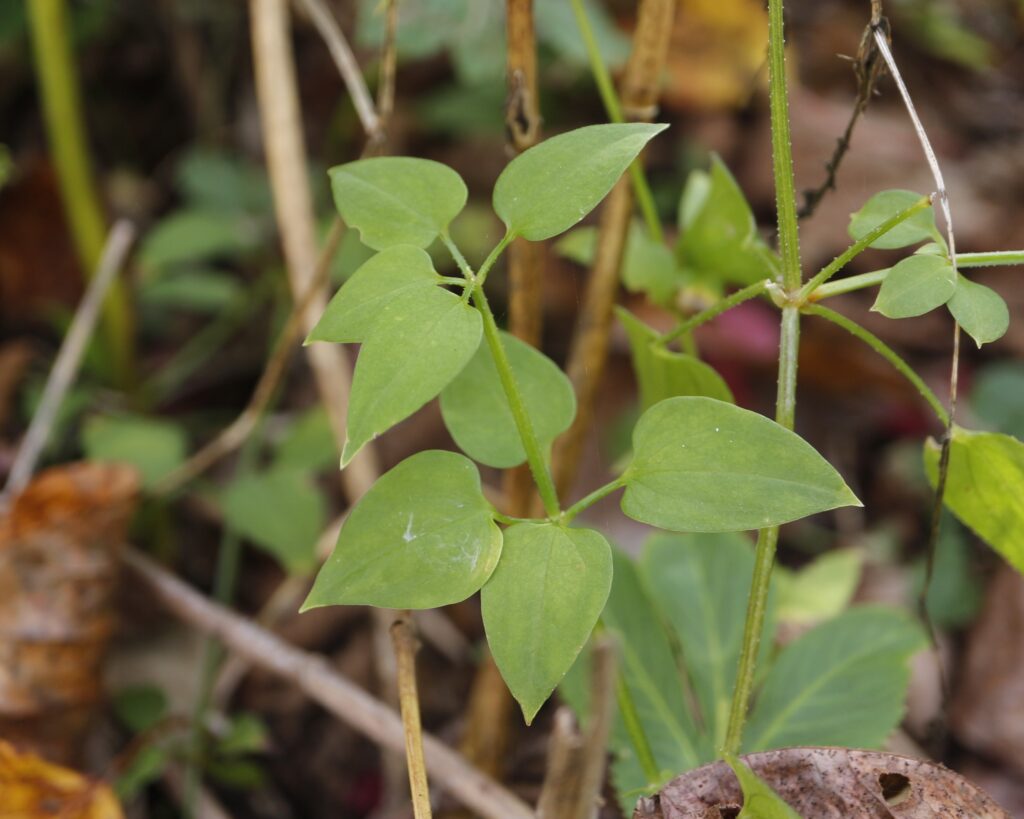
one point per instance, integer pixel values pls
(886, 352)
(62, 111)
(492, 257)
(740, 296)
(585, 503)
(613, 108)
(859, 247)
(789, 345)
(994, 258)
(534, 454)
(849, 284)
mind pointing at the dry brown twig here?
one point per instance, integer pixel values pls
(311, 674)
(589, 352)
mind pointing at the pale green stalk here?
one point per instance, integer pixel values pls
(740, 296)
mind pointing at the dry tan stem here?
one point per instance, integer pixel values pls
(405, 652)
(314, 677)
(576, 762)
(234, 435)
(388, 65)
(590, 345)
(344, 59)
(293, 203)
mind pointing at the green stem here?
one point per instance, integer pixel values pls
(849, 284)
(492, 257)
(534, 454)
(859, 247)
(992, 259)
(740, 296)
(613, 108)
(789, 345)
(569, 514)
(62, 111)
(886, 352)
(635, 729)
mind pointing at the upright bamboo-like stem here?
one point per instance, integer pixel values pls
(789, 344)
(590, 344)
(65, 127)
(405, 651)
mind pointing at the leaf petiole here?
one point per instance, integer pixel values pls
(585, 503)
(740, 296)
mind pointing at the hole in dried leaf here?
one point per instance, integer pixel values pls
(895, 788)
(728, 811)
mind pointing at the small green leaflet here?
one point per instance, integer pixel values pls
(476, 409)
(820, 590)
(422, 537)
(985, 487)
(915, 286)
(197, 235)
(885, 205)
(281, 511)
(397, 200)
(374, 292)
(759, 800)
(721, 241)
(541, 604)
(695, 580)
(997, 397)
(842, 683)
(198, 290)
(702, 465)
(152, 445)
(980, 310)
(407, 360)
(662, 373)
(648, 266)
(546, 190)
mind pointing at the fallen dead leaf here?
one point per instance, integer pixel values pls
(59, 547)
(827, 783)
(31, 788)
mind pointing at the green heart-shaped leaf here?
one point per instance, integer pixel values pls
(541, 604)
(702, 465)
(407, 360)
(477, 413)
(397, 200)
(368, 297)
(985, 487)
(884, 206)
(422, 537)
(915, 286)
(549, 188)
(980, 310)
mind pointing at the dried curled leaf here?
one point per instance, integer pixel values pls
(31, 788)
(827, 783)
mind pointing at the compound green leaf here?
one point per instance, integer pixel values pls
(915, 286)
(843, 683)
(422, 537)
(549, 188)
(700, 583)
(373, 292)
(721, 241)
(980, 310)
(985, 487)
(397, 200)
(281, 511)
(477, 413)
(820, 590)
(759, 800)
(541, 604)
(407, 360)
(884, 206)
(702, 465)
(662, 373)
(153, 446)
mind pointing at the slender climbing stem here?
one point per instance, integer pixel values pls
(613, 108)
(886, 352)
(591, 499)
(534, 454)
(789, 345)
(65, 128)
(859, 247)
(740, 296)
